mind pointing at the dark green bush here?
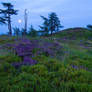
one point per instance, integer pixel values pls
(10, 58)
(49, 75)
(38, 69)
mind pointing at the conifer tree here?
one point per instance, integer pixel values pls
(54, 23)
(6, 14)
(45, 26)
(51, 24)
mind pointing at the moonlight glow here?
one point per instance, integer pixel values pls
(19, 21)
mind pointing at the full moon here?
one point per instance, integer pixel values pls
(19, 21)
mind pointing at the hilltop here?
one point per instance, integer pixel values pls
(74, 33)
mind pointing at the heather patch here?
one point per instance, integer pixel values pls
(27, 49)
(41, 65)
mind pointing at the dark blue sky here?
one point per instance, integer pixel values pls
(72, 13)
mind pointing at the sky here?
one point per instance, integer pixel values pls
(72, 13)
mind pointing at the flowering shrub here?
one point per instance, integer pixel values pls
(33, 66)
(25, 49)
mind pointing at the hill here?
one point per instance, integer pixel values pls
(74, 33)
(59, 63)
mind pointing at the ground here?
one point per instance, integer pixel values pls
(58, 63)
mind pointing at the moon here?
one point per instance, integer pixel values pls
(19, 21)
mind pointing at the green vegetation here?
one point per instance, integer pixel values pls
(44, 60)
(49, 75)
(69, 71)
(32, 32)
(74, 33)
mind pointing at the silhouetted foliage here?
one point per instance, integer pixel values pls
(2, 20)
(23, 32)
(45, 27)
(89, 27)
(51, 24)
(32, 32)
(54, 23)
(6, 15)
(16, 31)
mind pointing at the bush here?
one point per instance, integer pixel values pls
(49, 75)
(28, 83)
(11, 58)
(38, 69)
(82, 62)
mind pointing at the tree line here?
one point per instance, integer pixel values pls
(50, 25)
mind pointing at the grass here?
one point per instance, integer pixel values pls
(74, 33)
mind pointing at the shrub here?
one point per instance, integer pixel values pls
(10, 58)
(38, 69)
(26, 82)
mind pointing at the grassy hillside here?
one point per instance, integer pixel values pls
(60, 63)
(74, 33)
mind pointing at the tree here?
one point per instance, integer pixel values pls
(6, 15)
(23, 33)
(51, 24)
(32, 31)
(16, 31)
(45, 27)
(26, 21)
(89, 27)
(2, 20)
(54, 23)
